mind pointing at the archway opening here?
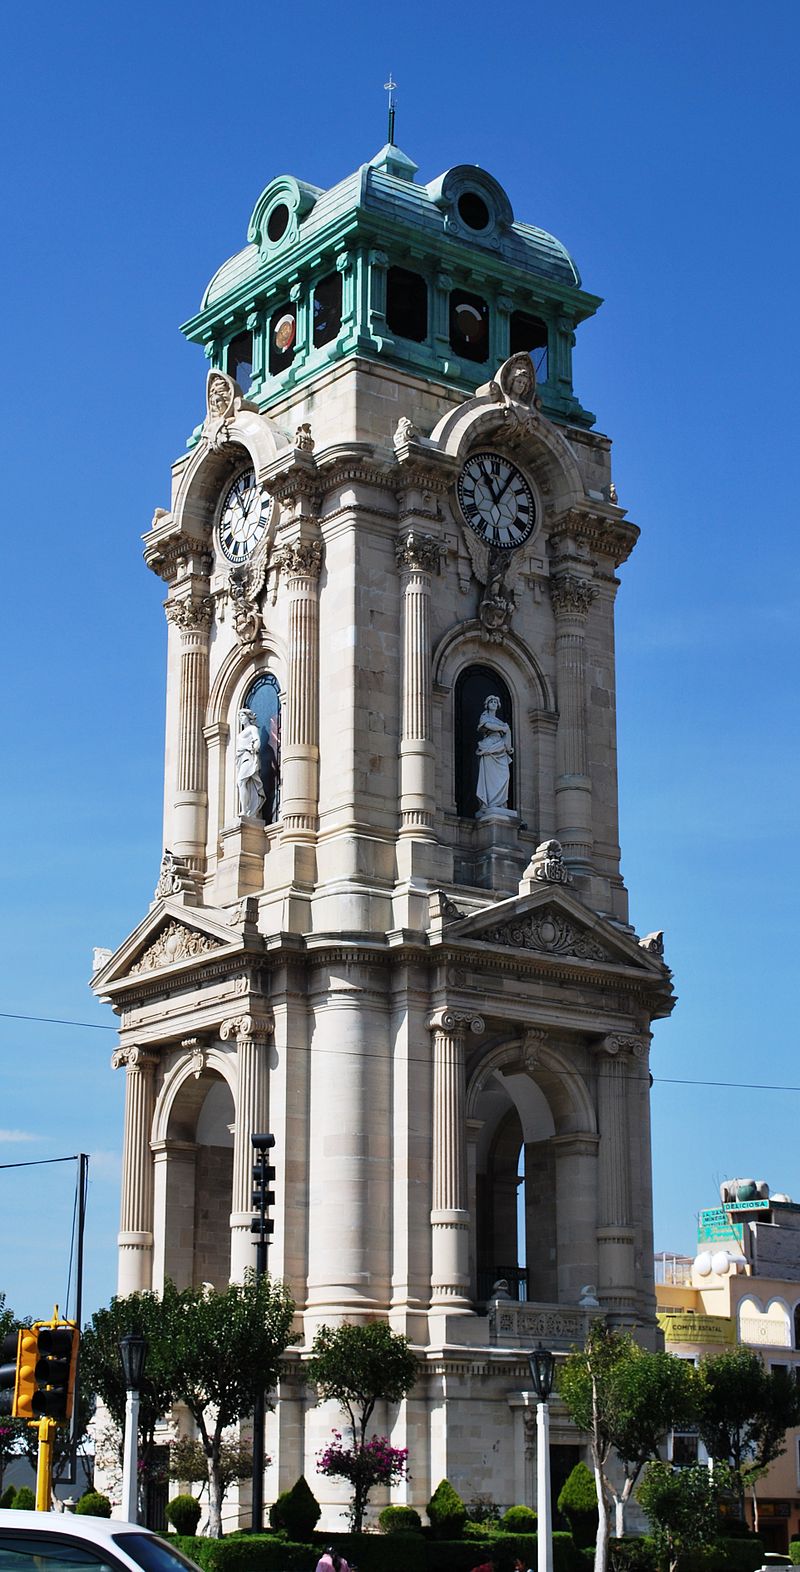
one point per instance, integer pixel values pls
(514, 1198)
(198, 1183)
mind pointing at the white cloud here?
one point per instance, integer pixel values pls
(104, 1165)
(7, 1136)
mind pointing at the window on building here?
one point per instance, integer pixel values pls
(473, 687)
(529, 337)
(472, 210)
(797, 1326)
(239, 362)
(277, 221)
(327, 309)
(282, 336)
(469, 325)
(684, 1448)
(406, 304)
(263, 698)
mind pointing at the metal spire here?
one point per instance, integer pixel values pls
(389, 88)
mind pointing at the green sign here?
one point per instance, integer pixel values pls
(714, 1227)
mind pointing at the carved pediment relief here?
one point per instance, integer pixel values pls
(547, 930)
(175, 942)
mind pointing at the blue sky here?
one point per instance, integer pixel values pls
(659, 143)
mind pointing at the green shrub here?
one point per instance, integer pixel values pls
(729, 1555)
(400, 1520)
(632, 1554)
(93, 1504)
(296, 1512)
(257, 1553)
(519, 1520)
(7, 1498)
(24, 1500)
(191, 1545)
(794, 1552)
(447, 1512)
(183, 1512)
(462, 1555)
(578, 1504)
(483, 1510)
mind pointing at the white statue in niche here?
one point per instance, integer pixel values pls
(248, 766)
(494, 755)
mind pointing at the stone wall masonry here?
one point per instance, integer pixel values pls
(212, 1205)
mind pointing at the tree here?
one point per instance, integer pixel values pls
(627, 1399)
(744, 1412)
(372, 1462)
(149, 1315)
(683, 1506)
(227, 1347)
(187, 1462)
(359, 1367)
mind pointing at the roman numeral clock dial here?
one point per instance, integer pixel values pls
(244, 516)
(496, 501)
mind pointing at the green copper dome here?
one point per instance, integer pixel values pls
(439, 278)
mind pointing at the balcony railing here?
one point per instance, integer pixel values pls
(522, 1324)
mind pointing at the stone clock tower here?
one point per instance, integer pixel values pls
(390, 924)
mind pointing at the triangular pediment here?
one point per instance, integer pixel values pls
(548, 922)
(171, 937)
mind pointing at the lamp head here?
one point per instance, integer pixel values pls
(543, 1370)
(133, 1353)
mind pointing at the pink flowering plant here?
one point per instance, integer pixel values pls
(368, 1463)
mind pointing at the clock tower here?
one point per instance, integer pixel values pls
(390, 925)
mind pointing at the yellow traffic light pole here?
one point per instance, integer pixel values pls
(39, 1378)
(44, 1466)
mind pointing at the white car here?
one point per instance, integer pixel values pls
(63, 1542)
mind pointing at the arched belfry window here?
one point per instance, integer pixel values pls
(473, 687)
(263, 699)
(797, 1326)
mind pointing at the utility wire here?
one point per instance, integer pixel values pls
(664, 1080)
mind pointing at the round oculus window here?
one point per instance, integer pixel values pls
(473, 210)
(278, 221)
(284, 331)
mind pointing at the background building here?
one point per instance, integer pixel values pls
(742, 1287)
(390, 923)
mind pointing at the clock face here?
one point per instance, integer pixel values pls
(243, 519)
(496, 501)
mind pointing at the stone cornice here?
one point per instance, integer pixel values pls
(170, 549)
(603, 528)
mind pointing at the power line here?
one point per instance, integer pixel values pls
(41, 1162)
(663, 1080)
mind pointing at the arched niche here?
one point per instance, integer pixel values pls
(193, 1149)
(474, 685)
(233, 684)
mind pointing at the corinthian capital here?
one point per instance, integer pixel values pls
(569, 593)
(247, 1028)
(456, 1022)
(302, 559)
(414, 550)
(190, 615)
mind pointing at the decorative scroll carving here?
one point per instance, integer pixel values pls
(247, 1028)
(189, 615)
(653, 943)
(569, 593)
(456, 1021)
(303, 439)
(547, 864)
(418, 551)
(244, 588)
(133, 1058)
(546, 930)
(174, 877)
(303, 557)
(174, 943)
(223, 401)
(442, 908)
(616, 1043)
(532, 1044)
(197, 1055)
(405, 432)
(499, 572)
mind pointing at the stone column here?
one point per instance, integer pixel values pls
(252, 1035)
(576, 1213)
(301, 564)
(450, 1214)
(193, 619)
(417, 558)
(572, 596)
(136, 1209)
(615, 1232)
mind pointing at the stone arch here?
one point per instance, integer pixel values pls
(525, 1111)
(252, 437)
(534, 441)
(237, 672)
(193, 1150)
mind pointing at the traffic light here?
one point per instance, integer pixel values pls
(25, 1384)
(8, 1372)
(55, 1372)
(263, 1176)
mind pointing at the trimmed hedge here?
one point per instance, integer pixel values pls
(24, 1499)
(399, 1520)
(730, 1555)
(256, 1553)
(190, 1545)
(184, 1512)
(375, 1552)
(518, 1520)
(296, 1512)
(447, 1513)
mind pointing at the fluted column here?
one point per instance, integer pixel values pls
(193, 619)
(418, 559)
(301, 564)
(450, 1213)
(615, 1233)
(135, 1271)
(572, 596)
(252, 1035)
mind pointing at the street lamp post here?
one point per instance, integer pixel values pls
(543, 1369)
(133, 1353)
